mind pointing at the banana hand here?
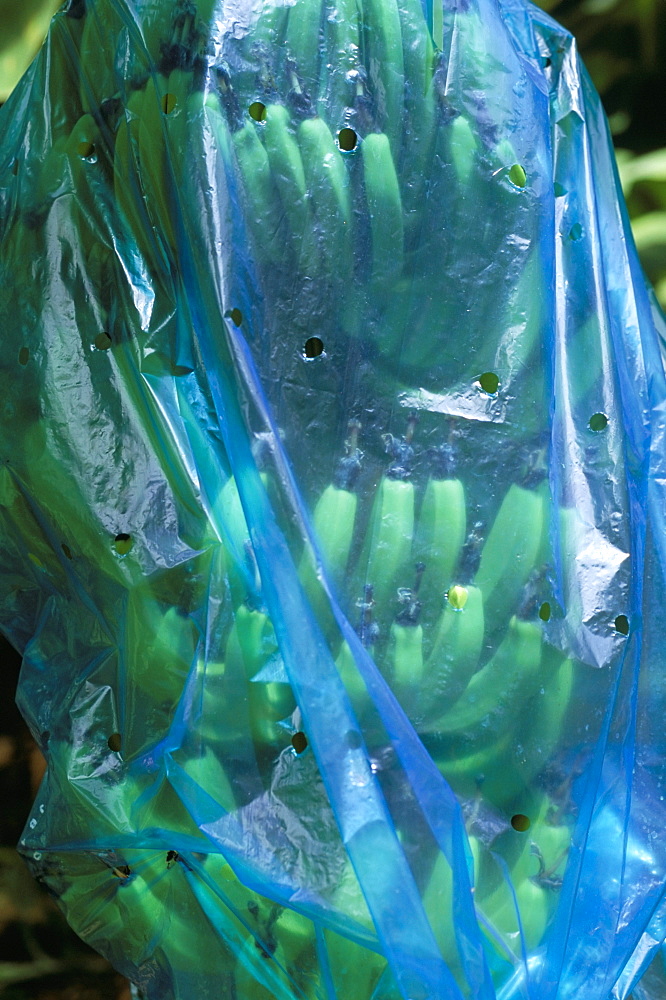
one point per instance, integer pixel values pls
(328, 187)
(262, 205)
(382, 192)
(341, 58)
(406, 670)
(286, 165)
(250, 647)
(535, 738)
(419, 113)
(494, 695)
(386, 560)
(304, 42)
(440, 534)
(383, 55)
(454, 657)
(510, 553)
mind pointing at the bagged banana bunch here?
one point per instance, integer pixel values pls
(332, 502)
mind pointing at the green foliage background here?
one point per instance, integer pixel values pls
(623, 44)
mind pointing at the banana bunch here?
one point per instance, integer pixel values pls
(344, 154)
(514, 901)
(454, 619)
(347, 164)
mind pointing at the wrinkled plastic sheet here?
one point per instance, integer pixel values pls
(332, 503)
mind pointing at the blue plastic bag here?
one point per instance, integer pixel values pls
(333, 502)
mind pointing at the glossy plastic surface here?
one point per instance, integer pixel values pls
(332, 502)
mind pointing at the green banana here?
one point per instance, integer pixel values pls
(163, 808)
(130, 903)
(464, 149)
(101, 31)
(61, 73)
(341, 59)
(535, 873)
(145, 899)
(509, 554)
(346, 663)
(262, 975)
(52, 179)
(406, 670)
(328, 187)
(419, 112)
(28, 535)
(494, 695)
(355, 970)
(286, 165)
(209, 774)
(303, 42)
(334, 520)
(228, 514)
(533, 904)
(270, 27)
(390, 538)
(438, 904)
(441, 530)
(386, 555)
(250, 647)
(295, 935)
(522, 323)
(269, 930)
(383, 53)
(160, 648)
(535, 738)
(382, 192)
(128, 187)
(262, 205)
(453, 658)
(160, 97)
(408, 325)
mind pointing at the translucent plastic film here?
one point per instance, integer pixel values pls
(332, 503)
